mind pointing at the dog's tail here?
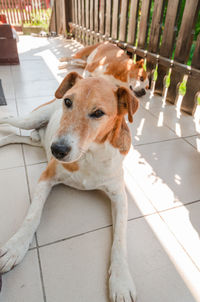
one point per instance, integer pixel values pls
(74, 63)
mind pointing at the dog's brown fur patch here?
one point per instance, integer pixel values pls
(50, 171)
(72, 167)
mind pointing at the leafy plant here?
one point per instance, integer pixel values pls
(41, 19)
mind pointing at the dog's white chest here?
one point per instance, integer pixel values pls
(101, 165)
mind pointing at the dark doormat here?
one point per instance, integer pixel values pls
(2, 96)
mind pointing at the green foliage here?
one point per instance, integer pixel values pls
(168, 79)
(180, 15)
(182, 87)
(134, 58)
(198, 100)
(145, 65)
(40, 18)
(155, 74)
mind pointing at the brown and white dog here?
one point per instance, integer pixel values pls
(111, 62)
(86, 138)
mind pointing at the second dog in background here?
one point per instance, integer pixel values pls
(111, 62)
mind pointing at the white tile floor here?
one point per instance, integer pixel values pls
(69, 258)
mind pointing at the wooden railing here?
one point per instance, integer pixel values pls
(163, 32)
(61, 17)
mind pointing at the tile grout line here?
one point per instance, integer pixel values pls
(184, 138)
(166, 140)
(35, 164)
(40, 267)
(110, 225)
(22, 166)
(74, 236)
(157, 142)
(29, 195)
(188, 136)
(88, 232)
(14, 167)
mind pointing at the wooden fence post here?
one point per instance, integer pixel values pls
(183, 44)
(133, 21)
(193, 85)
(167, 40)
(115, 19)
(68, 13)
(143, 27)
(108, 17)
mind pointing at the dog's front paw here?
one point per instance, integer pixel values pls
(121, 285)
(35, 137)
(12, 253)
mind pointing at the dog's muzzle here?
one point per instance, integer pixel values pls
(140, 92)
(59, 151)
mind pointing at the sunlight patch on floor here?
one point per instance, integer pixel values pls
(140, 128)
(150, 183)
(178, 129)
(178, 105)
(25, 46)
(52, 62)
(177, 179)
(160, 119)
(184, 266)
(153, 184)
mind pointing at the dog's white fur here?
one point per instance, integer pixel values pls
(100, 167)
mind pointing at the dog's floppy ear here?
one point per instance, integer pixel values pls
(67, 83)
(127, 102)
(140, 63)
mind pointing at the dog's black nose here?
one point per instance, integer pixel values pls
(140, 92)
(60, 150)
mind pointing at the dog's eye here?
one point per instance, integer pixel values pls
(68, 103)
(97, 114)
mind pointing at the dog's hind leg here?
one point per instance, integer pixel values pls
(34, 120)
(82, 54)
(30, 121)
(73, 63)
(17, 139)
(13, 251)
(66, 59)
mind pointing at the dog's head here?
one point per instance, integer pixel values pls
(90, 110)
(139, 78)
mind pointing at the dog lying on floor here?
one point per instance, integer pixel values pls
(111, 62)
(86, 139)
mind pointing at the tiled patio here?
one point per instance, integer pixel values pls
(69, 257)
